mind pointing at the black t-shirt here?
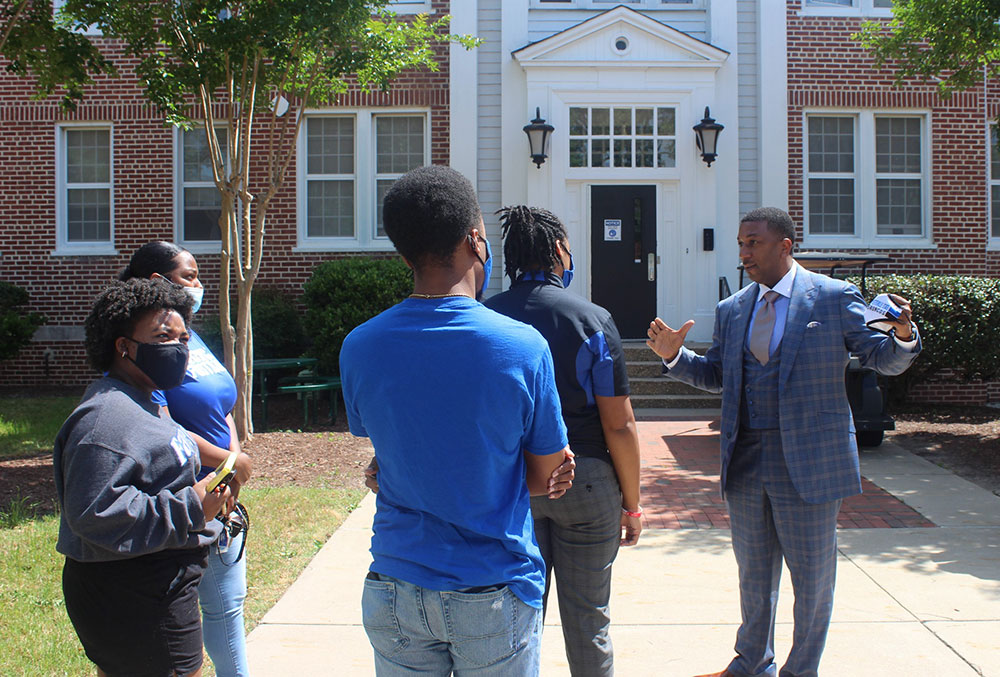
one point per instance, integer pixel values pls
(586, 349)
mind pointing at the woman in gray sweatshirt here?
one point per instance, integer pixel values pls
(134, 524)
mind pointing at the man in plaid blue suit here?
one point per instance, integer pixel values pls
(789, 454)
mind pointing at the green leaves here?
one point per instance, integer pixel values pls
(45, 47)
(304, 49)
(959, 321)
(16, 326)
(344, 293)
(951, 43)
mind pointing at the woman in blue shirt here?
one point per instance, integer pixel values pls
(203, 403)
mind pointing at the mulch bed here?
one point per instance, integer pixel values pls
(321, 455)
(965, 440)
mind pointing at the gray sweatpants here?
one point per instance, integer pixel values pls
(579, 535)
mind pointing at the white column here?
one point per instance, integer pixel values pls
(463, 69)
(773, 79)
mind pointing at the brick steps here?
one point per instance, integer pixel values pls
(651, 390)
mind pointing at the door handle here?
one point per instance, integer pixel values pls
(651, 267)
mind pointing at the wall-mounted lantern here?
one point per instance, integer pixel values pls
(707, 137)
(539, 134)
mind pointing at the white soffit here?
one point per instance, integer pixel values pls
(592, 43)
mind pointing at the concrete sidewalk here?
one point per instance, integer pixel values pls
(910, 601)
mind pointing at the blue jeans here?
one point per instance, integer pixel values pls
(416, 631)
(222, 591)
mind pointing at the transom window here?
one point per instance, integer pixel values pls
(604, 4)
(348, 163)
(622, 137)
(866, 178)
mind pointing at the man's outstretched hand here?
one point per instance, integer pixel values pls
(664, 341)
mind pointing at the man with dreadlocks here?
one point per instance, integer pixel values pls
(579, 534)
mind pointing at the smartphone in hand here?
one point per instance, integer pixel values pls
(224, 474)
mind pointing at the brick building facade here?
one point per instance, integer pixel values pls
(811, 125)
(62, 276)
(831, 76)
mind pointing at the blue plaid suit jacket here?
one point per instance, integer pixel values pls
(825, 325)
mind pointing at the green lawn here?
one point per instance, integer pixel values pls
(288, 526)
(28, 425)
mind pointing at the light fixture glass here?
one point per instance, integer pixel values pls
(539, 134)
(707, 137)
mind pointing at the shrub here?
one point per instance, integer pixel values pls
(16, 326)
(276, 322)
(344, 293)
(959, 322)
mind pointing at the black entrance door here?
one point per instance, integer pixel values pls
(623, 253)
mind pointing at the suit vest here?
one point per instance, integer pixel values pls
(759, 399)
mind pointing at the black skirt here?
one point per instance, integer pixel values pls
(138, 616)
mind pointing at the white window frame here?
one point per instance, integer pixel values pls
(864, 8)
(365, 185)
(409, 6)
(193, 246)
(866, 234)
(992, 241)
(611, 4)
(64, 247)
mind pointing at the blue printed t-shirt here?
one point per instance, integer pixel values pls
(205, 397)
(586, 348)
(450, 393)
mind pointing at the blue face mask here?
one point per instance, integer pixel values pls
(567, 276)
(487, 268)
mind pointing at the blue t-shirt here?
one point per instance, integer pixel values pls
(204, 399)
(450, 394)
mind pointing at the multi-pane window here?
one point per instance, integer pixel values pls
(866, 176)
(831, 175)
(647, 4)
(399, 147)
(350, 161)
(622, 136)
(331, 177)
(862, 5)
(200, 201)
(85, 196)
(409, 6)
(898, 176)
(994, 184)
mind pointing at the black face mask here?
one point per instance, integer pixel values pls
(164, 363)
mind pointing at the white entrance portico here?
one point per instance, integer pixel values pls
(623, 91)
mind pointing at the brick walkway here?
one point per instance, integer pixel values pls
(680, 483)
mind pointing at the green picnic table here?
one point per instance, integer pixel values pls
(308, 387)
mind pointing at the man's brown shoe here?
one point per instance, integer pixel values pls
(724, 673)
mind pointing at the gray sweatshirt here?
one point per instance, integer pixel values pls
(124, 479)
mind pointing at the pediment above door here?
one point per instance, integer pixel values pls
(620, 38)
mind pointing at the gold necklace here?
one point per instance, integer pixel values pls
(436, 296)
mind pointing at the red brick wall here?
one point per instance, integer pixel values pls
(827, 68)
(62, 287)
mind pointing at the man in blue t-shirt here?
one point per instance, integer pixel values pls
(461, 406)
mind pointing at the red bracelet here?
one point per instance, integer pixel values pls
(634, 515)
